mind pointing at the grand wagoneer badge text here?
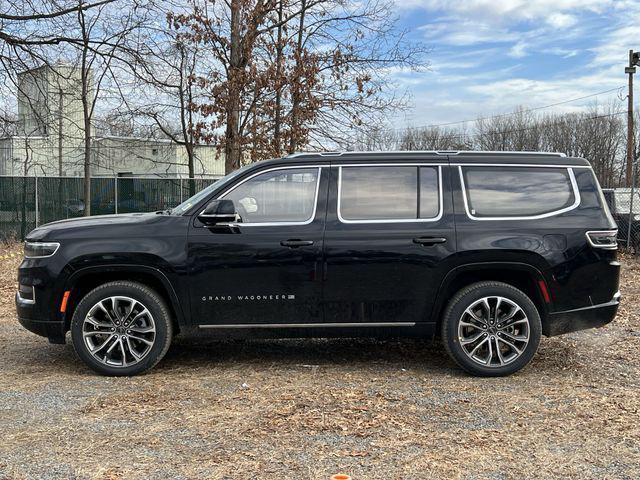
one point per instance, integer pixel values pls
(248, 298)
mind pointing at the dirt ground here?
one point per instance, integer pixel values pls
(312, 408)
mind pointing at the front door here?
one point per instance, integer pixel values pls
(389, 234)
(264, 268)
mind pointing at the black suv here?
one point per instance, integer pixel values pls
(488, 250)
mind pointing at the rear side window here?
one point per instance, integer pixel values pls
(389, 193)
(517, 191)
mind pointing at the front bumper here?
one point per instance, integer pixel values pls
(594, 316)
(52, 329)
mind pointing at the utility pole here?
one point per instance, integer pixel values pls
(60, 100)
(634, 59)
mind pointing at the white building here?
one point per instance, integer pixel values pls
(50, 138)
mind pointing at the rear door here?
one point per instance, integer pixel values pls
(388, 239)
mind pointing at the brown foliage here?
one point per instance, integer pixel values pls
(283, 71)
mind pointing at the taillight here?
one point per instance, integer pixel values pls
(607, 239)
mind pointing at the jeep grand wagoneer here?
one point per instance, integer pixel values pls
(488, 251)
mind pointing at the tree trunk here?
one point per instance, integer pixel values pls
(232, 150)
(87, 147)
(190, 154)
(295, 95)
(277, 143)
(86, 115)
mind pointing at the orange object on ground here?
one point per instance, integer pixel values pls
(340, 476)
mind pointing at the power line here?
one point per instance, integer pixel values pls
(435, 125)
(533, 127)
(460, 136)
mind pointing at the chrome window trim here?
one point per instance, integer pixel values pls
(398, 220)
(572, 179)
(52, 244)
(309, 325)
(278, 224)
(535, 165)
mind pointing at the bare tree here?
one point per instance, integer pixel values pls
(290, 73)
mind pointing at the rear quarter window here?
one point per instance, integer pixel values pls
(512, 192)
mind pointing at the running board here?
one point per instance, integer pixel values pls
(310, 325)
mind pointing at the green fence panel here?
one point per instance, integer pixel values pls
(63, 197)
(17, 207)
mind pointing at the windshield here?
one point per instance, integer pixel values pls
(202, 194)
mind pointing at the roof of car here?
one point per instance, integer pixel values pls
(454, 156)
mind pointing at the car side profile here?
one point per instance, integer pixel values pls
(486, 250)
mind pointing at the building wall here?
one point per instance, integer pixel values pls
(121, 155)
(51, 139)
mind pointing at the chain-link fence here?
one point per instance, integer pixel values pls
(26, 202)
(625, 208)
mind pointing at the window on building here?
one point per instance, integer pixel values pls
(286, 195)
(389, 193)
(517, 191)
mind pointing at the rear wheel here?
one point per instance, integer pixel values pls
(121, 328)
(491, 329)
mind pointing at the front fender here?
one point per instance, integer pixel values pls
(108, 270)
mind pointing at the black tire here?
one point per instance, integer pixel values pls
(148, 298)
(466, 298)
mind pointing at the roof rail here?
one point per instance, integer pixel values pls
(319, 154)
(432, 152)
(498, 152)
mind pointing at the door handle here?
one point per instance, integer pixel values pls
(429, 241)
(295, 243)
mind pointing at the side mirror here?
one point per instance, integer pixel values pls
(219, 211)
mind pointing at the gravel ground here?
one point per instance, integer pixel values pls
(312, 408)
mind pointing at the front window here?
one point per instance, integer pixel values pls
(285, 195)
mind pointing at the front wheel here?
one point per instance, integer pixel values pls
(121, 328)
(491, 329)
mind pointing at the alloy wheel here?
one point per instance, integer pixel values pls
(119, 331)
(493, 331)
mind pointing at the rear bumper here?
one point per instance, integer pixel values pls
(594, 316)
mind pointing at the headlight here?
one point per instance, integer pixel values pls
(40, 249)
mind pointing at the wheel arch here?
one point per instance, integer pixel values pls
(86, 279)
(522, 276)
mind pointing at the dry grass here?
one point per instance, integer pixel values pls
(308, 409)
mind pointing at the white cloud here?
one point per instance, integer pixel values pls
(473, 21)
(464, 32)
(508, 10)
(615, 46)
(491, 33)
(561, 20)
(518, 50)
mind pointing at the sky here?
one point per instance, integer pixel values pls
(490, 56)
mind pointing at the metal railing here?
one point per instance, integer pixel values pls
(27, 202)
